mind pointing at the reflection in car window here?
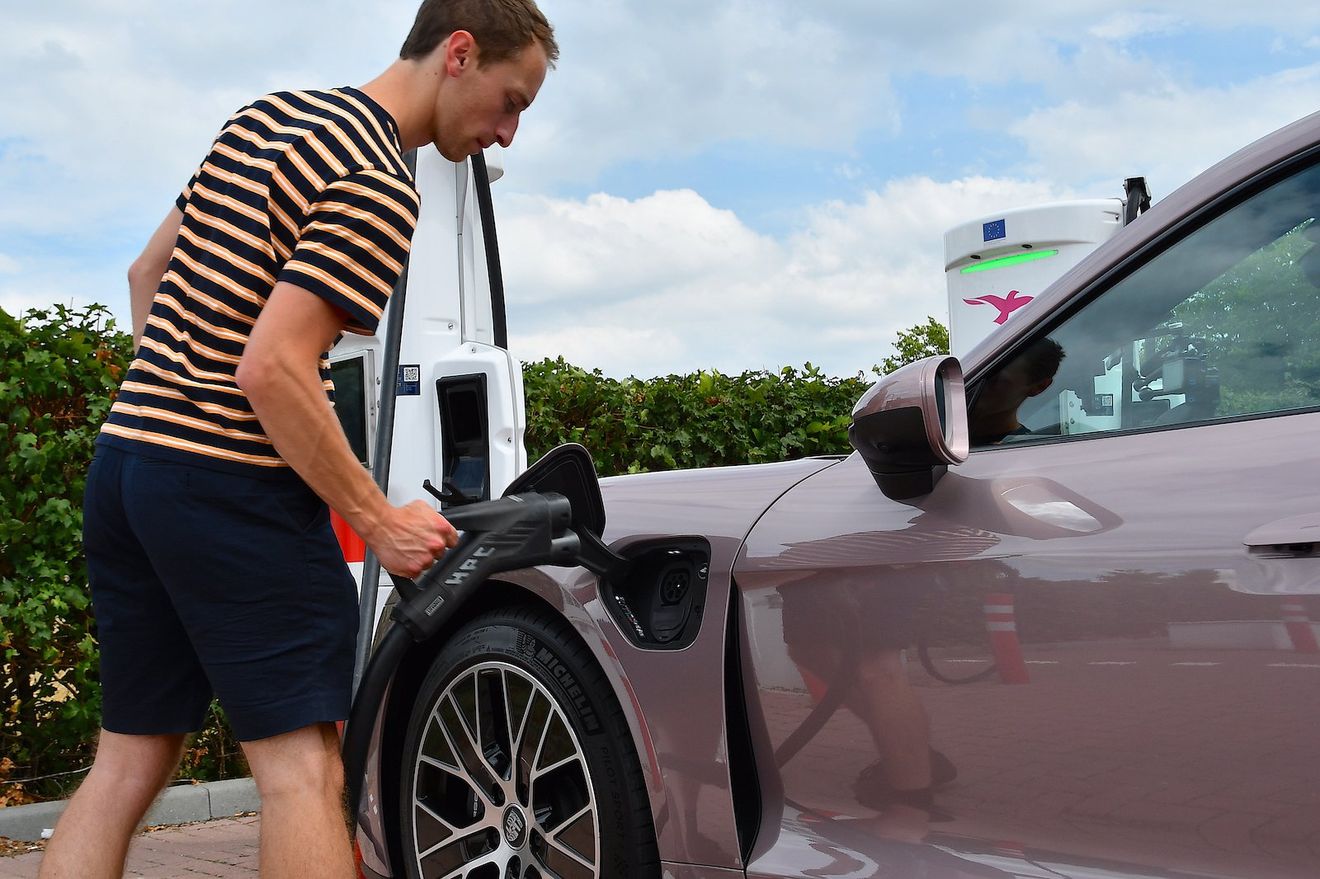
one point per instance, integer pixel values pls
(994, 415)
(1223, 324)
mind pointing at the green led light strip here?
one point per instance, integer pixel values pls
(1005, 261)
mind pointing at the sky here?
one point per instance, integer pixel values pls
(720, 184)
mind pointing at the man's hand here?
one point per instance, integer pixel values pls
(410, 538)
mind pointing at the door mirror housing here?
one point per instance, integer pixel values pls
(911, 425)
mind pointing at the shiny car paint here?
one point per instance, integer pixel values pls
(1139, 746)
(1132, 745)
(674, 700)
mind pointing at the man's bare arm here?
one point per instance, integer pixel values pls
(279, 374)
(147, 270)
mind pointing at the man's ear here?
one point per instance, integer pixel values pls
(460, 52)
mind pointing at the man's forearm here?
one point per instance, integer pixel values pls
(290, 403)
(278, 373)
(141, 293)
(147, 270)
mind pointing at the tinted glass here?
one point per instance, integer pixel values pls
(349, 377)
(1223, 324)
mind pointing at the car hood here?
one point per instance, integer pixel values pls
(713, 502)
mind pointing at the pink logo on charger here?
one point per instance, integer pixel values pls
(1006, 304)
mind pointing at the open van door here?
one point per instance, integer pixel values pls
(459, 396)
(435, 394)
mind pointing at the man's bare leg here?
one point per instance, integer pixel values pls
(304, 832)
(897, 720)
(92, 836)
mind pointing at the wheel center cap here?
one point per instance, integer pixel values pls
(515, 827)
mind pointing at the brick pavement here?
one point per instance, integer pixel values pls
(222, 849)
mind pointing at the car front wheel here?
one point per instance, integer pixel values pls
(518, 762)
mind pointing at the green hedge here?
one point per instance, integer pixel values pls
(58, 373)
(706, 419)
(59, 370)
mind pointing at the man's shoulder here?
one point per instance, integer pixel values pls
(340, 131)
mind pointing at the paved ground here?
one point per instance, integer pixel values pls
(223, 849)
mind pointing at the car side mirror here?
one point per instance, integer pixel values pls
(911, 425)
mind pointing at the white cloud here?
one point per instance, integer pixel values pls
(645, 350)
(669, 283)
(645, 81)
(1126, 25)
(16, 301)
(134, 89)
(8, 265)
(676, 235)
(1169, 134)
(109, 107)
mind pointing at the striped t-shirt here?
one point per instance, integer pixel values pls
(305, 187)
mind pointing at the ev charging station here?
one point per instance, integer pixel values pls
(994, 265)
(432, 404)
(434, 396)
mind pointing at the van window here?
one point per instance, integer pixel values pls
(350, 376)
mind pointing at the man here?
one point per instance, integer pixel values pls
(212, 564)
(994, 414)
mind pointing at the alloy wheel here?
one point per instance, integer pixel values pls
(501, 786)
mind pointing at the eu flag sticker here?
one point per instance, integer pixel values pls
(993, 231)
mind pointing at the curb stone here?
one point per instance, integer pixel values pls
(180, 804)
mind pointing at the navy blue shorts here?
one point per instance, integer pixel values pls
(209, 583)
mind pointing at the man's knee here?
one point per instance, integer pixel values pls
(301, 763)
(882, 669)
(137, 765)
(302, 777)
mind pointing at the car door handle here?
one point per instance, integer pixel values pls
(1295, 537)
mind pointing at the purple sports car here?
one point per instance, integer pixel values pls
(1055, 617)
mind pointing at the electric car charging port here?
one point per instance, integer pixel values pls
(658, 602)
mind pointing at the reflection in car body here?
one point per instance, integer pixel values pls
(1152, 533)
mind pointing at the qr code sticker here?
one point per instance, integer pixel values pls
(412, 373)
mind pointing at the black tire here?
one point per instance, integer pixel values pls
(469, 809)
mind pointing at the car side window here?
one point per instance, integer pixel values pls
(1223, 324)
